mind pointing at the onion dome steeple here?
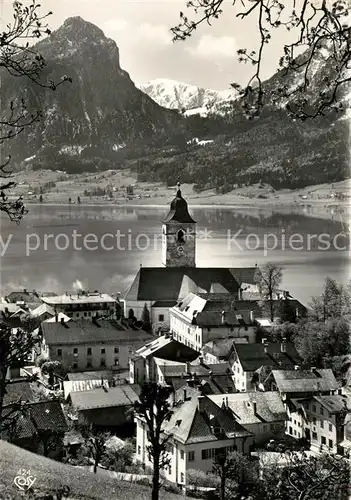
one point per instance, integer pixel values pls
(179, 209)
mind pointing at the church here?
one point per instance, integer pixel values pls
(161, 288)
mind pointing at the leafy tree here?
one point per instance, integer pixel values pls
(323, 477)
(20, 60)
(41, 198)
(313, 27)
(316, 341)
(50, 368)
(235, 473)
(154, 410)
(96, 447)
(268, 279)
(69, 200)
(334, 302)
(78, 200)
(160, 328)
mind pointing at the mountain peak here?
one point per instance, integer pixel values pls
(77, 25)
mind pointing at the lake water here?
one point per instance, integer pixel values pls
(47, 252)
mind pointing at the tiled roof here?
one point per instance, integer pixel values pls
(79, 298)
(192, 420)
(86, 332)
(269, 406)
(122, 395)
(253, 356)
(42, 416)
(335, 403)
(173, 283)
(23, 296)
(221, 348)
(304, 380)
(18, 390)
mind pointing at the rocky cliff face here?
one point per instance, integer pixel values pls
(101, 109)
(189, 99)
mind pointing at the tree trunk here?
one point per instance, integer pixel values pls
(155, 479)
(222, 487)
(96, 462)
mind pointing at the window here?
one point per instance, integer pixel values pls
(161, 317)
(75, 350)
(102, 362)
(330, 428)
(88, 351)
(139, 450)
(331, 444)
(191, 456)
(74, 365)
(85, 314)
(103, 350)
(182, 477)
(182, 454)
(314, 420)
(323, 440)
(116, 350)
(169, 469)
(322, 424)
(59, 352)
(116, 361)
(89, 365)
(314, 436)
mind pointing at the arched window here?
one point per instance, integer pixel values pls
(181, 236)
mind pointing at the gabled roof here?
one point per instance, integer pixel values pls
(305, 380)
(42, 309)
(89, 332)
(173, 283)
(253, 356)
(122, 395)
(60, 317)
(40, 416)
(194, 420)
(82, 385)
(269, 406)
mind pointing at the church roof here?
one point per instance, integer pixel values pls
(179, 210)
(172, 283)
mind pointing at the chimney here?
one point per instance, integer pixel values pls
(254, 405)
(201, 360)
(24, 290)
(56, 317)
(264, 341)
(200, 403)
(283, 345)
(184, 394)
(313, 369)
(297, 367)
(265, 347)
(62, 321)
(252, 316)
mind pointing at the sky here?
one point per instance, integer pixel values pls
(141, 30)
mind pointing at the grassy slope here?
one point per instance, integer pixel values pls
(51, 475)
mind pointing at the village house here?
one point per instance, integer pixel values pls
(83, 305)
(219, 350)
(143, 366)
(105, 408)
(199, 318)
(199, 430)
(90, 345)
(160, 288)
(252, 363)
(261, 413)
(297, 383)
(212, 379)
(39, 428)
(320, 420)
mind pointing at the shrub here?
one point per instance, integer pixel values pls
(199, 478)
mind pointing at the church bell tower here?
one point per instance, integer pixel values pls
(178, 235)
